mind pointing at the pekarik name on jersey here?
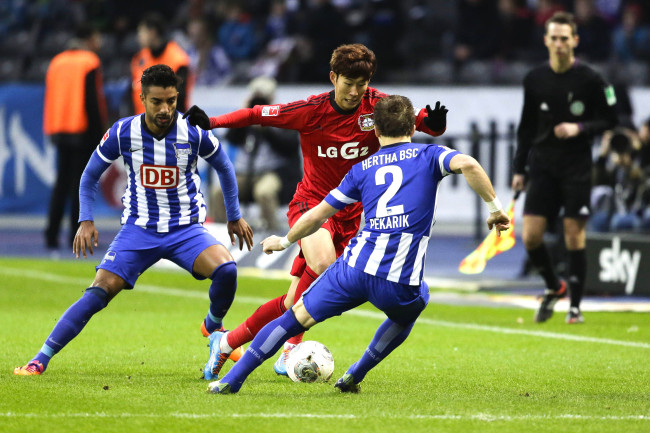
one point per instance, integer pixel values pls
(389, 222)
(388, 158)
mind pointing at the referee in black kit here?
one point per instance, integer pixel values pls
(566, 103)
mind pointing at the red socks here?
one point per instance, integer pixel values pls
(268, 312)
(251, 326)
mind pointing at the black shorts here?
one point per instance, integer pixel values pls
(546, 195)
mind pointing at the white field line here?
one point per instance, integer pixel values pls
(444, 417)
(45, 276)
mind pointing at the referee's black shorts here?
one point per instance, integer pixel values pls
(547, 194)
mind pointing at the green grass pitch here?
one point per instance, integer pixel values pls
(136, 366)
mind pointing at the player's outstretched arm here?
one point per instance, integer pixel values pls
(236, 119)
(306, 225)
(86, 237)
(479, 181)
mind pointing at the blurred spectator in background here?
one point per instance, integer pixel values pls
(643, 158)
(516, 29)
(323, 28)
(383, 24)
(278, 59)
(238, 35)
(593, 31)
(209, 63)
(609, 9)
(157, 49)
(619, 183)
(476, 36)
(631, 38)
(644, 141)
(74, 118)
(14, 16)
(267, 162)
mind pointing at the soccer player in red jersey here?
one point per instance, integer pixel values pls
(336, 131)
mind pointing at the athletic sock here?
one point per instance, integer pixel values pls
(577, 267)
(251, 326)
(222, 292)
(307, 277)
(72, 322)
(264, 345)
(541, 259)
(389, 335)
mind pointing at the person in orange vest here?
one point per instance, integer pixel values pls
(74, 118)
(157, 49)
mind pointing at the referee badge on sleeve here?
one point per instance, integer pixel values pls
(610, 95)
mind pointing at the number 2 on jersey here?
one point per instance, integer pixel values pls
(380, 179)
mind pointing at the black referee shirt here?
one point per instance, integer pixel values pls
(578, 95)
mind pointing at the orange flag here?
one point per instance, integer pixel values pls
(492, 245)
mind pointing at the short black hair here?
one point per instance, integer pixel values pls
(161, 76)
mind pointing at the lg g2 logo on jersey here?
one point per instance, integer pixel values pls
(270, 110)
(159, 176)
(347, 151)
(366, 122)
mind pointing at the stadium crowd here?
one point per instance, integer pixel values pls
(428, 41)
(417, 41)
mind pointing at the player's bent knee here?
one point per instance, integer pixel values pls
(99, 293)
(321, 264)
(111, 283)
(225, 272)
(302, 315)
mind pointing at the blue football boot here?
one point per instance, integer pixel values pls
(216, 359)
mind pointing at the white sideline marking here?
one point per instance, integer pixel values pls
(472, 417)
(45, 276)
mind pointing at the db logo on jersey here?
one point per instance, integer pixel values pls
(270, 110)
(159, 176)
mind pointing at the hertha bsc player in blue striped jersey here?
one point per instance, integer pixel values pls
(384, 263)
(163, 211)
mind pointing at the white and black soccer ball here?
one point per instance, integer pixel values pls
(310, 361)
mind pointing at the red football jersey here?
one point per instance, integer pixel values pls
(332, 140)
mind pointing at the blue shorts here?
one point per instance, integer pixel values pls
(341, 288)
(135, 249)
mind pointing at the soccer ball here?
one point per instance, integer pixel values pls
(310, 361)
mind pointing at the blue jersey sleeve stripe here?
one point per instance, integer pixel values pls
(342, 198)
(444, 159)
(99, 153)
(119, 142)
(329, 199)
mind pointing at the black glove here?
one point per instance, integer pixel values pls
(197, 117)
(436, 119)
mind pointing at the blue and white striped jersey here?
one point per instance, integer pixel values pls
(164, 187)
(398, 186)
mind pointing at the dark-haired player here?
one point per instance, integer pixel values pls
(565, 104)
(384, 263)
(336, 131)
(163, 213)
